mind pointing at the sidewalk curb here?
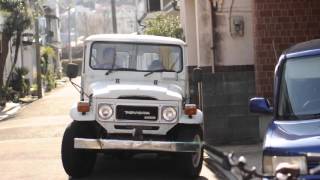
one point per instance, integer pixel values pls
(9, 113)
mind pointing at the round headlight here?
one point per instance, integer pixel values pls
(105, 111)
(169, 113)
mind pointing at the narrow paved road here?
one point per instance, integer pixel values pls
(30, 146)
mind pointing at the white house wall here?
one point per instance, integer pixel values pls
(196, 19)
(204, 33)
(188, 23)
(197, 26)
(234, 50)
(27, 60)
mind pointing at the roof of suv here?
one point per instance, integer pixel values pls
(133, 38)
(304, 49)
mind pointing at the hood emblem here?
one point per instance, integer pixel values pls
(137, 113)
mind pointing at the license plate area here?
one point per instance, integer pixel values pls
(137, 113)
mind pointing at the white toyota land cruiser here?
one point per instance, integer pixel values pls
(134, 98)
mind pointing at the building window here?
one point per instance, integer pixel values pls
(154, 5)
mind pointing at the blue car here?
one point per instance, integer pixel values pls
(293, 137)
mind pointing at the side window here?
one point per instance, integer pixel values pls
(93, 58)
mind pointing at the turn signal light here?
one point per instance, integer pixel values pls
(190, 109)
(83, 107)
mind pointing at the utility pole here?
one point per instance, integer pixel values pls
(104, 21)
(136, 17)
(114, 17)
(39, 81)
(75, 26)
(22, 51)
(69, 34)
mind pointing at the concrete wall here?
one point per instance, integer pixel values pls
(204, 33)
(188, 22)
(196, 22)
(231, 48)
(227, 116)
(227, 61)
(26, 58)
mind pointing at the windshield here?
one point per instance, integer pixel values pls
(300, 89)
(136, 57)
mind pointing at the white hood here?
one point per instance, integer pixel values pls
(114, 91)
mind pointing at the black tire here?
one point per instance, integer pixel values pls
(185, 162)
(120, 155)
(123, 155)
(77, 163)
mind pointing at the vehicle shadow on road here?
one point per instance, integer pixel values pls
(149, 168)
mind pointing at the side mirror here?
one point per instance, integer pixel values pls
(260, 105)
(72, 70)
(197, 75)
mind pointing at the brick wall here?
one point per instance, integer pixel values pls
(284, 22)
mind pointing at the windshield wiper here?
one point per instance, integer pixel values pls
(109, 72)
(149, 73)
(159, 70)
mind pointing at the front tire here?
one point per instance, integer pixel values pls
(76, 162)
(190, 164)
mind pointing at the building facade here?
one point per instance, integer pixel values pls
(279, 25)
(219, 37)
(237, 44)
(248, 37)
(49, 31)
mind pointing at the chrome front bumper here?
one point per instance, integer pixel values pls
(107, 144)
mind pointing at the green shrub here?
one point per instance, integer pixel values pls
(19, 83)
(51, 81)
(8, 94)
(3, 96)
(46, 52)
(164, 25)
(34, 89)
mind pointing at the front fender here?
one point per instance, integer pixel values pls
(78, 116)
(196, 119)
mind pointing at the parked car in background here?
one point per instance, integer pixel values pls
(293, 137)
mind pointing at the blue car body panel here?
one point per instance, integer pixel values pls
(306, 177)
(292, 137)
(289, 138)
